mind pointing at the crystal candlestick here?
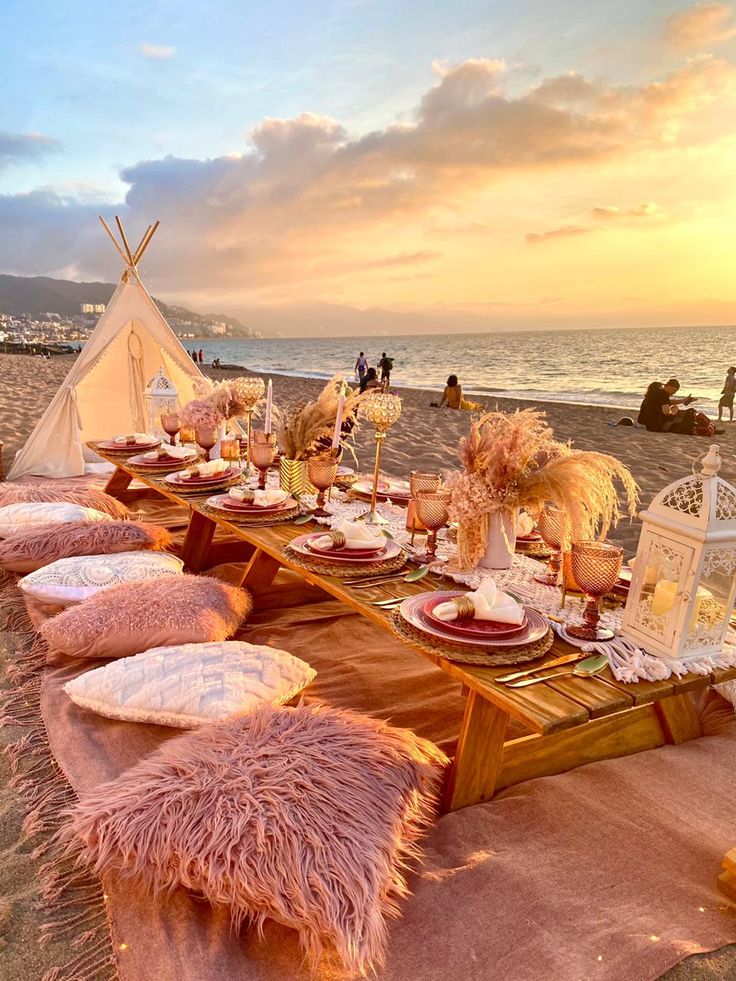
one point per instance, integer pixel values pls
(382, 410)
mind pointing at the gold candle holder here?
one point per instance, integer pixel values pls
(252, 393)
(382, 410)
(262, 452)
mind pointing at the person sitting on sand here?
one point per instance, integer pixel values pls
(660, 412)
(452, 397)
(369, 380)
(727, 394)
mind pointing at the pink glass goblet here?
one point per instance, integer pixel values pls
(171, 424)
(262, 453)
(551, 526)
(433, 512)
(321, 471)
(596, 566)
(206, 437)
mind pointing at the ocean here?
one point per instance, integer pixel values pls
(610, 367)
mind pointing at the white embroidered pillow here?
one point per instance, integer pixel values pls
(18, 519)
(189, 685)
(74, 579)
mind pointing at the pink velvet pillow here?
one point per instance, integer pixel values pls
(26, 553)
(13, 493)
(307, 816)
(134, 616)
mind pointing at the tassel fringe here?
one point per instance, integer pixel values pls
(71, 897)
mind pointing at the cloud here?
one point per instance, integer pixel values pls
(21, 147)
(565, 231)
(157, 52)
(613, 212)
(702, 26)
(306, 205)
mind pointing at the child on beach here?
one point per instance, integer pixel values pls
(727, 394)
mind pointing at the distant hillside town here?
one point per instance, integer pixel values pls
(59, 315)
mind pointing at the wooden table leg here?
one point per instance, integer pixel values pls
(472, 776)
(260, 572)
(118, 483)
(196, 547)
(678, 719)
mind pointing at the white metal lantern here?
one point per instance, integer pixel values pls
(684, 580)
(160, 396)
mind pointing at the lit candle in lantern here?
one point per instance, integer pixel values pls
(269, 402)
(664, 597)
(338, 419)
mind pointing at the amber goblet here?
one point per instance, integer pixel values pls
(230, 451)
(187, 435)
(596, 566)
(262, 452)
(321, 471)
(433, 512)
(419, 480)
(206, 437)
(551, 526)
(171, 424)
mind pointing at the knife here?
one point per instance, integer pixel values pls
(565, 659)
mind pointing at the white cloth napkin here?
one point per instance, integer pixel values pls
(267, 498)
(140, 438)
(175, 452)
(238, 494)
(490, 603)
(208, 469)
(357, 535)
(524, 524)
(398, 486)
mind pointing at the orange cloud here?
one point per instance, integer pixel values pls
(702, 26)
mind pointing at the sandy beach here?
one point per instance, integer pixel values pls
(424, 437)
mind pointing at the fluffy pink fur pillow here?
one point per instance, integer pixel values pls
(305, 815)
(26, 553)
(51, 491)
(134, 616)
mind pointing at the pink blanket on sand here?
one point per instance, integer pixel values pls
(607, 872)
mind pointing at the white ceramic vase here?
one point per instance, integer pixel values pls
(501, 543)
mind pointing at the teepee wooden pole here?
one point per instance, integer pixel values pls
(146, 240)
(137, 251)
(113, 239)
(123, 236)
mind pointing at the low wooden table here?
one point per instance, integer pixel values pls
(572, 720)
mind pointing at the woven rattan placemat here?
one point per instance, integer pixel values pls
(464, 654)
(254, 520)
(344, 570)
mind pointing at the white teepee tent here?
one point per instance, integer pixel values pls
(102, 396)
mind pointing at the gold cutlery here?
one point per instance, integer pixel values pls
(584, 669)
(565, 659)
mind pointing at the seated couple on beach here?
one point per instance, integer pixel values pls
(661, 412)
(452, 397)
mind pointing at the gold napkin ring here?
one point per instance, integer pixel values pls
(338, 539)
(464, 606)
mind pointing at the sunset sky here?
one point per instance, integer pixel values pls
(488, 164)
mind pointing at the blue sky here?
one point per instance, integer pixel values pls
(76, 72)
(485, 162)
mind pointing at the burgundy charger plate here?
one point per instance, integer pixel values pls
(140, 461)
(534, 537)
(468, 627)
(175, 478)
(223, 502)
(412, 610)
(355, 556)
(110, 444)
(329, 553)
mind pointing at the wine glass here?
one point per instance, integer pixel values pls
(206, 437)
(433, 512)
(321, 471)
(419, 480)
(171, 424)
(551, 526)
(262, 452)
(596, 566)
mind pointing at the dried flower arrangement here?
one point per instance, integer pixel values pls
(306, 429)
(218, 401)
(512, 460)
(202, 413)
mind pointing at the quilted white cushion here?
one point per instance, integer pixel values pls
(74, 579)
(189, 685)
(17, 519)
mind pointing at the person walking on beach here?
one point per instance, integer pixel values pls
(386, 365)
(361, 366)
(194, 356)
(727, 394)
(201, 356)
